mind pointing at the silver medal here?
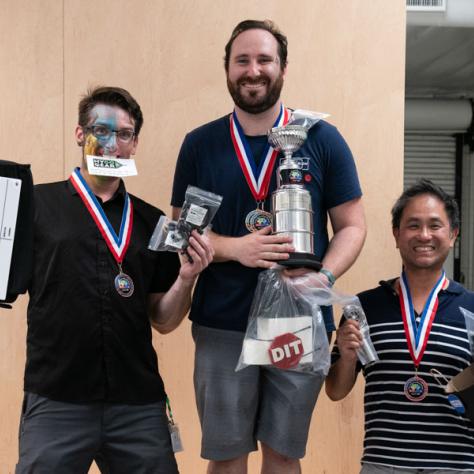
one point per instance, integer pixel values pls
(258, 219)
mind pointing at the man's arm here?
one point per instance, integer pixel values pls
(257, 249)
(348, 224)
(167, 310)
(343, 374)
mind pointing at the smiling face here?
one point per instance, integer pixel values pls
(424, 237)
(106, 133)
(255, 76)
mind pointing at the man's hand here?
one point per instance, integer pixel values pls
(312, 278)
(342, 374)
(261, 249)
(201, 252)
(349, 339)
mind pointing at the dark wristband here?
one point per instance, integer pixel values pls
(331, 278)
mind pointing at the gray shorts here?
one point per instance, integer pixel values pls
(369, 468)
(64, 438)
(238, 408)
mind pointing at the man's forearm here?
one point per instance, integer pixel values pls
(259, 249)
(343, 250)
(224, 247)
(341, 379)
(167, 312)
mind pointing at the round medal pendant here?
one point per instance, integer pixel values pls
(415, 389)
(124, 285)
(258, 219)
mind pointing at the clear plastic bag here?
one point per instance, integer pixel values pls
(306, 118)
(166, 236)
(199, 208)
(286, 327)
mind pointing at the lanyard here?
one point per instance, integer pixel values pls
(117, 244)
(258, 178)
(417, 334)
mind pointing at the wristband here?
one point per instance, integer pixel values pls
(331, 278)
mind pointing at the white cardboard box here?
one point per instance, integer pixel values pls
(9, 200)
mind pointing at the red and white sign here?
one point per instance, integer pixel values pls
(286, 351)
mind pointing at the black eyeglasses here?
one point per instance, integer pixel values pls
(101, 132)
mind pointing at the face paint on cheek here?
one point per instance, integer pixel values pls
(109, 145)
(92, 146)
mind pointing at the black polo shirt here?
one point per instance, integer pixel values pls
(86, 342)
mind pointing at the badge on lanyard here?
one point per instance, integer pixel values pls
(176, 443)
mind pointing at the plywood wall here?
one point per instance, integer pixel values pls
(346, 57)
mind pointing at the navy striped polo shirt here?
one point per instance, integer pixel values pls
(427, 434)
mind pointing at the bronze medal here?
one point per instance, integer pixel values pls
(124, 285)
(415, 389)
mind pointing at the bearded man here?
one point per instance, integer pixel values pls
(231, 156)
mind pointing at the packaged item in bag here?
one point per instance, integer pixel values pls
(286, 328)
(199, 208)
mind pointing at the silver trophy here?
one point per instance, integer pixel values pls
(291, 202)
(366, 353)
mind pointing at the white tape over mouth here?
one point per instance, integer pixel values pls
(111, 166)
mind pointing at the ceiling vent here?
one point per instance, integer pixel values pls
(426, 5)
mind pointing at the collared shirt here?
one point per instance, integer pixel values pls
(428, 434)
(86, 342)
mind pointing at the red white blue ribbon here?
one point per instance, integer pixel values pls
(417, 334)
(258, 178)
(118, 244)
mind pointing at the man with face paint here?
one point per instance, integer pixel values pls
(237, 409)
(418, 329)
(92, 386)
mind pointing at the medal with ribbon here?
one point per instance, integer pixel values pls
(117, 244)
(417, 334)
(257, 177)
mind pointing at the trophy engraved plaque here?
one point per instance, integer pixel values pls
(291, 202)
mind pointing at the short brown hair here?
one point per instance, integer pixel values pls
(266, 25)
(110, 96)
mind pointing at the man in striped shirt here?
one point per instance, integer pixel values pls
(419, 331)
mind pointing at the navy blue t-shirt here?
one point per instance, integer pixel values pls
(207, 159)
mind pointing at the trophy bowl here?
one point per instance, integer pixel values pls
(287, 138)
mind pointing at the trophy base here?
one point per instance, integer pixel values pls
(301, 259)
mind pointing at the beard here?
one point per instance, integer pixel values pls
(252, 103)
